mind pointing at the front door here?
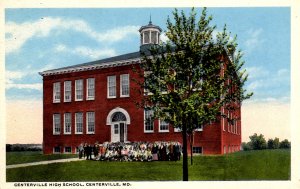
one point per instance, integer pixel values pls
(122, 133)
(118, 132)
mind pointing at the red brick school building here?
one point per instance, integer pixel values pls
(94, 102)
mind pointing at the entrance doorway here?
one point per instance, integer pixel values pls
(118, 127)
(119, 133)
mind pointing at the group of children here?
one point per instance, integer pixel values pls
(131, 151)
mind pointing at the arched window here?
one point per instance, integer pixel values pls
(118, 116)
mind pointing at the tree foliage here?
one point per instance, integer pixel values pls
(285, 144)
(246, 146)
(188, 79)
(273, 143)
(258, 142)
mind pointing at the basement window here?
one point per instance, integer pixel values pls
(68, 149)
(197, 150)
(56, 150)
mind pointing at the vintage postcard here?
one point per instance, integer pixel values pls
(131, 95)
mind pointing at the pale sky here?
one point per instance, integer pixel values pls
(41, 39)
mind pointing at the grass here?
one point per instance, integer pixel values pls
(34, 156)
(251, 165)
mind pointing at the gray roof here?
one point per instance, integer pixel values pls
(98, 63)
(150, 25)
(123, 57)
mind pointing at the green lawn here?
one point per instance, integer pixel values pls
(251, 165)
(27, 157)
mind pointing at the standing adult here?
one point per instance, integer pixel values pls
(80, 149)
(85, 150)
(89, 152)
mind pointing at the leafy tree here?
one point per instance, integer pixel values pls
(246, 146)
(276, 143)
(285, 144)
(258, 142)
(271, 144)
(8, 147)
(191, 77)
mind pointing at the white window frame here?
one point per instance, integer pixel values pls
(88, 114)
(146, 92)
(177, 130)
(148, 131)
(108, 86)
(235, 127)
(65, 124)
(231, 124)
(66, 151)
(222, 118)
(123, 84)
(90, 82)
(76, 89)
(54, 152)
(69, 91)
(150, 36)
(199, 129)
(165, 123)
(56, 125)
(238, 128)
(197, 147)
(56, 92)
(228, 123)
(76, 114)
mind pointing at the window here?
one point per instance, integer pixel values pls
(228, 122)
(56, 150)
(124, 81)
(111, 86)
(116, 129)
(197, 150)
(90, 122)
(200, 128)
(79, 90)
(67, 123)
(56, 92)
(56, 124)
(90, 89)
(163, 126)
(146, 37)
(224, 149)
(223, 119)
(235, 128)
(154, 35)
(79, 123)
(146, 90)
(68, 91)
(149, 122)
(177, 130)
(68, 149)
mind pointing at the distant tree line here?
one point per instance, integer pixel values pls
(23, 147)
(258, 142)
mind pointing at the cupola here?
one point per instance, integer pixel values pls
(150, 35)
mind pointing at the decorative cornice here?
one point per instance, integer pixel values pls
(91, 67)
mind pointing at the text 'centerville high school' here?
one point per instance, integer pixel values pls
(95, 102)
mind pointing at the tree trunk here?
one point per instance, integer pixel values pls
(191, 146)
(191, 153)
(185, 173)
